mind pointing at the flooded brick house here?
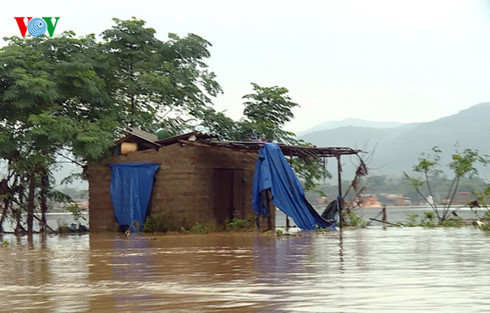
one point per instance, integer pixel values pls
(198, 179)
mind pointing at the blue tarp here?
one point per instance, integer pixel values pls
(131, 188)
(274, 172)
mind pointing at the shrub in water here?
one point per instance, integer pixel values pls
(452, 222)
(197, 228)
(351, 218)
(156, 223)
(412, 220)
(237, 224)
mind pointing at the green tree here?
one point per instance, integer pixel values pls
(220, 125)
(156, 82)
(266, 111)
(69, 95)
(462, 165)
(27, 91)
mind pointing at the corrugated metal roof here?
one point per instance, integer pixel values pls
(200, 138)
(300, 151)
(143, 135)
(134, 134)
(194, 135)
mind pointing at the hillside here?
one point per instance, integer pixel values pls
(350, 122)
(396, 149)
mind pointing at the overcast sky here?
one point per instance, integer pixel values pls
(379, 60)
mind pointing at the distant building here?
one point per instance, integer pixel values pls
(394, 199)
(370, 201)
(463, 198)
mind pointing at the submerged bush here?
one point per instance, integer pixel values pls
(484, 222)
(429, 220)
(196, 228)
(238, 224)
(452, 222)
(279, 232)
(412, 220)
(156, 223)
(350, 218)
(77, 212)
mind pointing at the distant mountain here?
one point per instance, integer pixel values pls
(395, 150)
(351, 122)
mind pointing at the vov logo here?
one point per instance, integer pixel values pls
(36, 26)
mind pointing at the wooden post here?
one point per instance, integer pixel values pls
(290, 163)
(339, 197)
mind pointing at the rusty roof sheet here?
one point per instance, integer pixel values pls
(299, 151)
(196, 137)
(192, 136)
(140, 135)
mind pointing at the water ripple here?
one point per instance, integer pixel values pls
(364, 270)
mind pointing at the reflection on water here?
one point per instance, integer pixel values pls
(358, 270)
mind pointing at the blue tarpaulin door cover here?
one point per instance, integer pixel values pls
(273, 171)
(131, 188)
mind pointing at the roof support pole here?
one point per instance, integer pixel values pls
(287, 217)
(339, 197)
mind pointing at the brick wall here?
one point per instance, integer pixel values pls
(183, 187)
(101, 214)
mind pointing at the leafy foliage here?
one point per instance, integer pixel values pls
(153, 79)
(238, 224)
(196, 228)
(430, 220)
(77, 212)
(484, 222)
(351, 218)
(73, 93)
(462, 165)
(266, 110)
(156, 222)
(483, 197)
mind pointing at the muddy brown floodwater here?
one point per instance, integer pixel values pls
(358, 270)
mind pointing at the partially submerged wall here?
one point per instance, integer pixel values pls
(191, 185)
